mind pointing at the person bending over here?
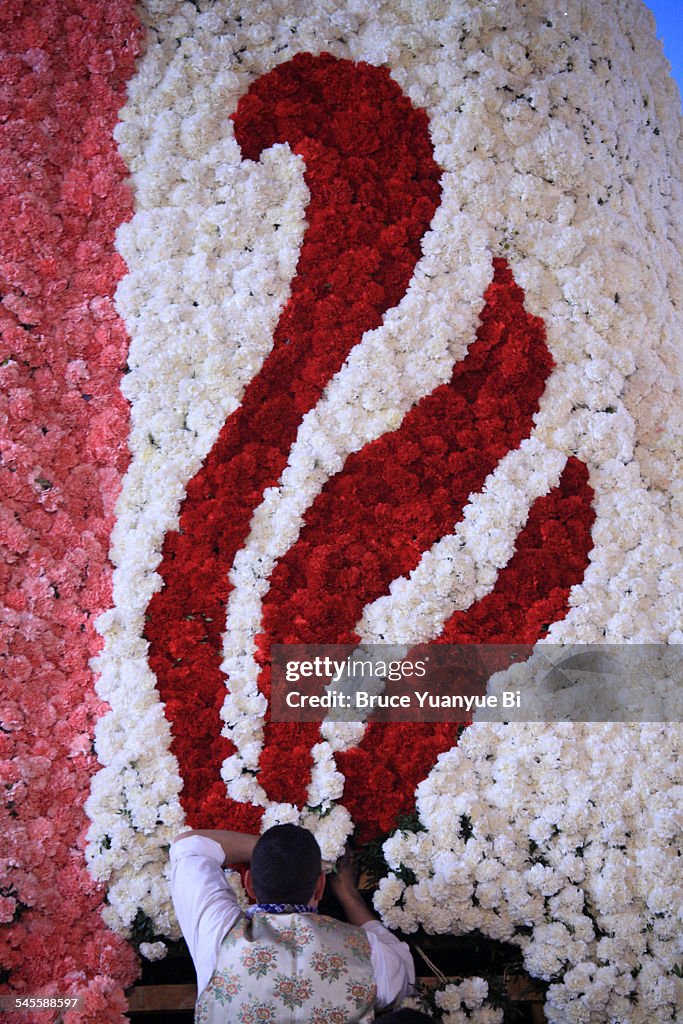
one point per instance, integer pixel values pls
(281, 961)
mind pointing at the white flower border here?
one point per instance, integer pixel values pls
(528, 141)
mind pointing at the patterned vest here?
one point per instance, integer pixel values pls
(290, 969)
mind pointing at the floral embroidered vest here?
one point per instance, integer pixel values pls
(290, 969)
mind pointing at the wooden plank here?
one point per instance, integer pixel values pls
(537, 1014)
(523, 989)
(153, 998)
(156, 998)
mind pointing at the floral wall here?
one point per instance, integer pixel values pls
(348, 325)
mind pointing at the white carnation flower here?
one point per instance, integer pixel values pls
(153, 950)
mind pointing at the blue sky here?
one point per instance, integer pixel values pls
(669, 17)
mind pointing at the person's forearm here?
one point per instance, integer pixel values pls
(354, 906)
(237, 846)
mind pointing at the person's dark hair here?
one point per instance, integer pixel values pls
(405, 1016)
(285, 865)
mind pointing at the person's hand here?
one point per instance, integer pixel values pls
(344, 879)
(343, 882)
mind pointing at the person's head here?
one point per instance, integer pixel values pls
(286, 867)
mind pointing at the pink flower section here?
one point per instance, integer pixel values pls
(64, 426)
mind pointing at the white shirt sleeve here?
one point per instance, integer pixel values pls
(204, 903)
(392, 965)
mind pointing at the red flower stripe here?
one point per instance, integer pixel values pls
(531, 592)
(65, 66)
(374, 189)
(395, 498)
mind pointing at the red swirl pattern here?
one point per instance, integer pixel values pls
(374, 189)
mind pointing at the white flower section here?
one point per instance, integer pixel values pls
(558, 133)
(570, 830)
(153, 950)
(467, 1002)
